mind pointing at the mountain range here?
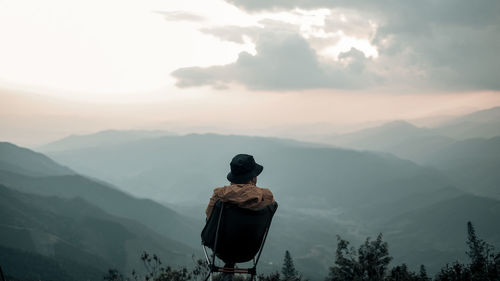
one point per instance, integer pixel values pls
(402, 138)
(322, 191)
(70, 221)
(466, 149)
(77, 231)
(107, 197)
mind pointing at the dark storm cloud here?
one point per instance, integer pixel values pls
(284, 61)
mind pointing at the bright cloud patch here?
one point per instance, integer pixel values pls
(284, 61)
(295, 50)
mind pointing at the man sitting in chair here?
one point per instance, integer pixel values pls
(243, 190)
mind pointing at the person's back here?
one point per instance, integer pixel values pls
(243, 190)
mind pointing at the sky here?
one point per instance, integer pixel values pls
(241, 66)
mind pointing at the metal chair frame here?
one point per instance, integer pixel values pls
(213, 268)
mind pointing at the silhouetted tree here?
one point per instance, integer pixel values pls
(456, 272)
(484, 266)
(200, 269)
(113, 275)
(156, 271)
(170, 274)
(495, 270)
(288, 270)
(368, 263)
(401, 273)
(346, 266)
(422, 276)
(271, 277)
(478, 253)
(374, 258)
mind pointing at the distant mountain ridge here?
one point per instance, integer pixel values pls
(486, 115)
(109, 199)
(420, 144)
(75, 230)
(46, 177)
(22, 160)
(472, 164)
(107, 137)
(400, 138)
(67, 217)
(49, 180)
(479, 124)
(187, 168)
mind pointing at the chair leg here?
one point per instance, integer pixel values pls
(208, 276)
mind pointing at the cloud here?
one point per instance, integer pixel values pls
(231, 33)
(432, 45)
(284, 61)
(423, 11)
(455, 43)
(445, 45)
(180, 16)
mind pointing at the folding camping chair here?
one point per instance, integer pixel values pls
(236, 235)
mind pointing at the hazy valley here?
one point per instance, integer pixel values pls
(100, 200)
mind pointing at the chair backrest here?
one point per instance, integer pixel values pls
(241, 231)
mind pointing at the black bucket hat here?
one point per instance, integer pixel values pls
(243, 169)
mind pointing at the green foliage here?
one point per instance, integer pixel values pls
(201, 268)
(156, 271)
(113, 275)
(455, 272)
(423, 274)
(479, 254)
(288, 270)
(368, 263)
(401, 273)
(271, 277)
(374, 258)
(346, 266)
